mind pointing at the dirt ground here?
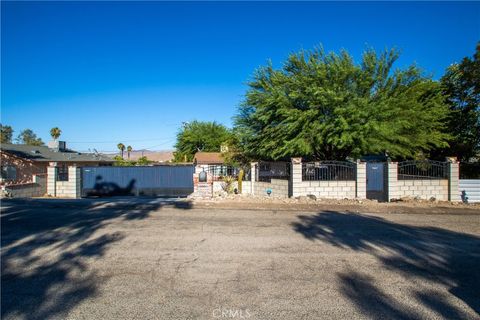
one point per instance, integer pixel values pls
(405, 206)
(135, 258)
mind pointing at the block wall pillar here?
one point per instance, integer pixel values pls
(52, 181)
(295, 177)
(253, 176)
(361, 183)
(392, 181)
(74, 182)
(453, 181)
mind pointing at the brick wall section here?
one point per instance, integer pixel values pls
(361, 184)
(279, 188)
(203, 191)
(37, 188)
(25, 168)
(327, 189)
(453, 182)
(425, 189)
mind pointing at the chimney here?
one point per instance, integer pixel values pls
(57, 146)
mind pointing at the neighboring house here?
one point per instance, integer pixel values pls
(20, 163)
(205, 159)
(213, 163)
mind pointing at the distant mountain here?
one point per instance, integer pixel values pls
(157, 156)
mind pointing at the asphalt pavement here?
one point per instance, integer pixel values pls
(164, 259)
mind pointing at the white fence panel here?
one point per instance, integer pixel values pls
(471, 188)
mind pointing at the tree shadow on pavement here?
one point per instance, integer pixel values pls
(46, 247)
(440, 256)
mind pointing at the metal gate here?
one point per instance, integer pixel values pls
(166, 180)
(376, 178)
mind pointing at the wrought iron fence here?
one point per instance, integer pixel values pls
(266, 171)
(220, 171)
(469, 170)
(329, 171)
(422, 169)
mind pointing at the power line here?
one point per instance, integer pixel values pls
(161, 144)
(117, 141)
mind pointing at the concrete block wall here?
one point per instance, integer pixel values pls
(395, 189)
(218, 186)
(327, 189)
(279, 188)
(247, 187)
(425, 189)
(64, 189)
(320, 189)
(443, 189)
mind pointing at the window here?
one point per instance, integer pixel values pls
(9, 173)
(62, 173)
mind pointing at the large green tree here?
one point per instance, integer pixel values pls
(326, 106)
(199, 136)
(461, 86)
(27, 136)
(6, 134)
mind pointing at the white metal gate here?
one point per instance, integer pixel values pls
(471, 188)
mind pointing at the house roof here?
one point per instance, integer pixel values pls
(208, 158)
(45, 154)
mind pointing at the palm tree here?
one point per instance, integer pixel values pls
(129, 149)
(55, 133)
(121, 147)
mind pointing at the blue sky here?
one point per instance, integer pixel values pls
(108, 72)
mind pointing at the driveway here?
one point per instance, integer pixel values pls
(155, 259)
